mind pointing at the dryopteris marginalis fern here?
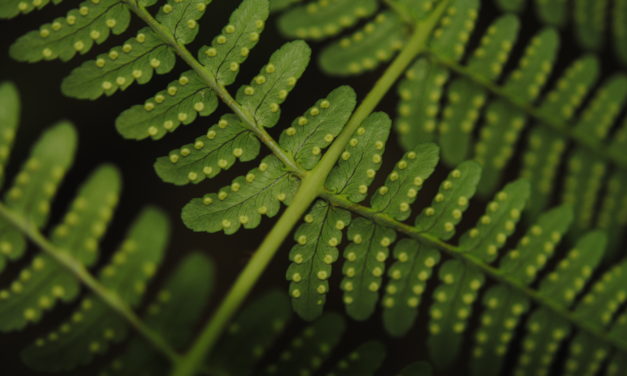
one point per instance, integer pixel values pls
(444, 100)
(591, 20)
(235, 202)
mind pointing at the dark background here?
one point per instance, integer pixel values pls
(43, 105)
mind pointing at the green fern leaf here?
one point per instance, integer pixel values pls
(377, 42)
(316, 250)
(545, 331)
(451, 309)
(310, 348)
(361, 159)
(545, 150)
(586, 171)
(363, 361)
(589, 17)
(503, 306)
(538, 245)
(460, 116)
(597, 307)
(92, 327)
(401, 187)
(254, 339)
(210, 154)
(364, 266)
(317, 128)
(180, 18)
(323, 19)
(413, 265)
(449, 39)
(135, 61)
(262, 98)
(420, 93)
(183, 100)
(231, 48)
(504, 122)
(450, 202)
(461, 282)
(92, 22)
(79, 234)
(497, 223)
(243, 203)
(246, 340)
(35, 186)
(177, 306)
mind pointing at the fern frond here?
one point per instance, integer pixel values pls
(135, 61)
(314, 131)
(590, 20)
(361, 160)
(104, 316)
(80, 232)
(363, 267)
(312, 257)
(76, 33)
(177, 307)
(377, 42)
(260, 192)
(181, 103)
(91, 328)
(262, 98)
(253, 336)
(31, 193)
(466, 271)
(231, 48)
(443, 98)
(544, 331)
(323, 19)
(224, 143)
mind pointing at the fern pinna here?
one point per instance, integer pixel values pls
(322, 168)
(466, 102)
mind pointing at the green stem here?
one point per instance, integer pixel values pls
(490, 271)
(311, 187)
(75, 267)
(208, 78)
